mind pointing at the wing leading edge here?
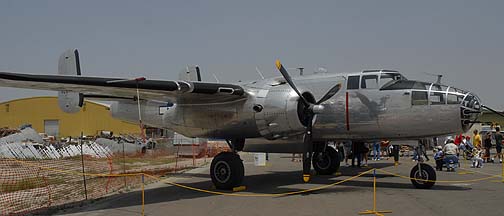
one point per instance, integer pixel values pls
(179, 91)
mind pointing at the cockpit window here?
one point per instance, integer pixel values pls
(406, 84)
(387, 78)
(369, 82)
(353, 82)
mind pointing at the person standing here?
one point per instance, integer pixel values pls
(376, 151)
(422, 148)
(365, 153)
(498, 143)
(357, 149)
(385, 145)
(395, 152)
(487, 144)
(347, 145)
(476, 139)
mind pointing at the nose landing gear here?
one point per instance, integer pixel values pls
(423, 176)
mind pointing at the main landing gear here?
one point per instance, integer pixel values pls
(326, 162)
(227, 169)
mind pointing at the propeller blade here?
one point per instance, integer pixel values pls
(492, 110)
(330, 93)
(288, 78)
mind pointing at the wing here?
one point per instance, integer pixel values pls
(177, 91)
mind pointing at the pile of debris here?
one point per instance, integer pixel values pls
(23, 135)
(5, 131)
(26, 143)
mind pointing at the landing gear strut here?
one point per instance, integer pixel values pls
(227, 170)
(326, 162)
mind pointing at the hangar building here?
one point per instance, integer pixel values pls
(45, 116)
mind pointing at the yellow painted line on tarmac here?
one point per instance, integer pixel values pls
(465, 172)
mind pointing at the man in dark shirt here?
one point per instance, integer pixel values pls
(357, 149)
(487, 144)
(498, 143)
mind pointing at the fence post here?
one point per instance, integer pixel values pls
(83, 170)
(374, 211)
(502, 172)
(143, 194)
(124, 164)
(193, 156)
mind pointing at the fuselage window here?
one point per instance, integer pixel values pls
(419, 98)
(437, 98)
(369, 82)
(454, 99)
(353, 82)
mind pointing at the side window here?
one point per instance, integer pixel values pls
(453, 98)
(353, 82)
(419, 98)
(437, 98)
(369, 82)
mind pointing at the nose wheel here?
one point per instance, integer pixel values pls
(423, 176)
(227, 170)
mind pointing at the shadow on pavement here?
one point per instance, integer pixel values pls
(270, 182)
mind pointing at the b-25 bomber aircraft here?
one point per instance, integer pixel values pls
(278, 115)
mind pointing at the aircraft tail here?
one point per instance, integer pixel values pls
(190, 73)
(69, 64)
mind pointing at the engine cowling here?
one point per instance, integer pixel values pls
(278, 114)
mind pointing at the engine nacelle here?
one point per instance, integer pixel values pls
(278, 113)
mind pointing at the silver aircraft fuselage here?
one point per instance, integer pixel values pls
(371, 105)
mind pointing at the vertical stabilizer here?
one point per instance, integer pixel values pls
(190, 73)
(69, 64)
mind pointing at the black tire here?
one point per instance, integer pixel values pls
(428, 173)
(326, 163)
(227, 170)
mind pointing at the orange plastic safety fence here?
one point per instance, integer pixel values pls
(28, 186)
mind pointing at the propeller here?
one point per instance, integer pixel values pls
(310, 111)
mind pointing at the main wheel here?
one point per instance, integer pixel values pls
(426, 172)
(227, 170)
(326, 163)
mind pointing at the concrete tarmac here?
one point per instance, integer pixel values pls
(281, 175)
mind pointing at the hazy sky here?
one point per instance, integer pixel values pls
(461, 39)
